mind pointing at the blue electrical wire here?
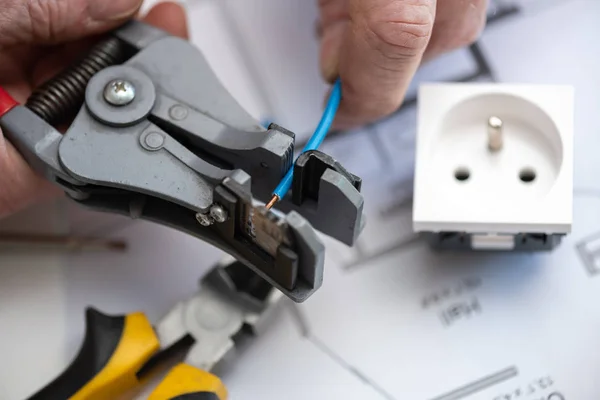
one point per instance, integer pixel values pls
(315, 140)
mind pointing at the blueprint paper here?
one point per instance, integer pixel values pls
(395, 320)
(409, 323)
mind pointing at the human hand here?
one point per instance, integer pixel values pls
(39, 38)
(376, 46)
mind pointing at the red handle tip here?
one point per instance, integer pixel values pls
(6, 102)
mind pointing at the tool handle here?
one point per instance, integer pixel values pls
(114, 349)
(185, 382)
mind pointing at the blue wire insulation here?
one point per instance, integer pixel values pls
(265, 123)
(316, 139)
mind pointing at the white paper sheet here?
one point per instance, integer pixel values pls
(393, 320)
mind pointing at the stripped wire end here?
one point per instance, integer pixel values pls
(273, 201)
(314, 142)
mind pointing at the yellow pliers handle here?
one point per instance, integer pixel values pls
(114, 350)
(185, 382)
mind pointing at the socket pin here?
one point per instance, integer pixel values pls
(495, 139)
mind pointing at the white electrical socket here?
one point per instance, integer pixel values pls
(494, 165)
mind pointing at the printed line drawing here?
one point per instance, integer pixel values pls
(402, 205)
(306, 332)
(403, 245)
(480, 384)
(589, 252)
(353, 370)
(298, 317)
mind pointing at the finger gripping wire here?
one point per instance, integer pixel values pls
(62, 96)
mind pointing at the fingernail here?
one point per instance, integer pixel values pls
(113, 10)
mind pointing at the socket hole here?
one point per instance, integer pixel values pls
(527, 175)
(462, 174)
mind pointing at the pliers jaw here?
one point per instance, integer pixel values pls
(159, 138)
(232, 305)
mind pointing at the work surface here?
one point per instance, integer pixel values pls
(393, 320)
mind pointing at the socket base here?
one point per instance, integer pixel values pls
(469, 241)
(521, 188)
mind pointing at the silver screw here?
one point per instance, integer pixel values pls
(495, 139)
(119, 92)
(204, 219)
(218, 213)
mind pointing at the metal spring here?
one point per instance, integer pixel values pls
(62, 96)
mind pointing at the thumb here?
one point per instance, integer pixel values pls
(380, 54)
(51, 21)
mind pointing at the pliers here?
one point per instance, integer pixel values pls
(156, 136)
(123, 355)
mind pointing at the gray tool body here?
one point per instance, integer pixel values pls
(157, 137)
